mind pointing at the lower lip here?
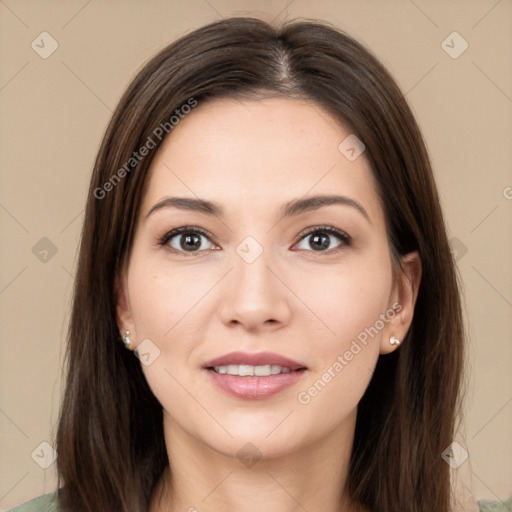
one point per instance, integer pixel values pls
(255, 388)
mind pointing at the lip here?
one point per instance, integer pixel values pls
(255, 359)
(253, 387)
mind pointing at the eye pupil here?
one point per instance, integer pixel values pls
(189, 244)
(322, 239)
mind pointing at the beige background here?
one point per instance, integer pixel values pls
(54, 111)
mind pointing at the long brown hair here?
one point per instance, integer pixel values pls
(110, 434)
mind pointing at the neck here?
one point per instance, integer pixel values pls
(201, 478)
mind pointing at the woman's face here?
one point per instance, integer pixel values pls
(258, 280)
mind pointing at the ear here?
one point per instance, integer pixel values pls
(123, 311)
(402, 300)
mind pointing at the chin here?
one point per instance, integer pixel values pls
(250, 449)
(269, 439)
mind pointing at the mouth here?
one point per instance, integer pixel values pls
(247, 370)
(254, 376)
(261, 364)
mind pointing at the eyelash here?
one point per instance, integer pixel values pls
(344, 238)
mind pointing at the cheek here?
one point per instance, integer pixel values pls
(344, 302)
(166, 309)
(349, 306)
(160, 300)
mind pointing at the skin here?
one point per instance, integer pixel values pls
(309, 305)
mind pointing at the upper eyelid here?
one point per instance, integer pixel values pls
(330, 229)
(184, 229)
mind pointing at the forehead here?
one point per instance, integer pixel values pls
(259, 152)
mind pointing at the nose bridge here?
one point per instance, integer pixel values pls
(256, 295)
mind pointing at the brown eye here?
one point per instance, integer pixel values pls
(186, 239)
(319, 239)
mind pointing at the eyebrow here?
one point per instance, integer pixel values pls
(290, 209)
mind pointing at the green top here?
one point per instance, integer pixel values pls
(44, 503)
(48, 503)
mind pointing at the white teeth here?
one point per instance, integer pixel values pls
(245, 370)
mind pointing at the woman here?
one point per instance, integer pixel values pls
(264, 231)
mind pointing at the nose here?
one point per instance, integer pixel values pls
(256, 295)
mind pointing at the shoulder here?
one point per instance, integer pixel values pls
(45, 503)
(495, 506)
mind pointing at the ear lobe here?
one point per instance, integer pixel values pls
(405, 294)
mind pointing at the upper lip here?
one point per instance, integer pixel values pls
(256, 359)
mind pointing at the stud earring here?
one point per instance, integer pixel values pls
(394, 341)
(127, 341)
